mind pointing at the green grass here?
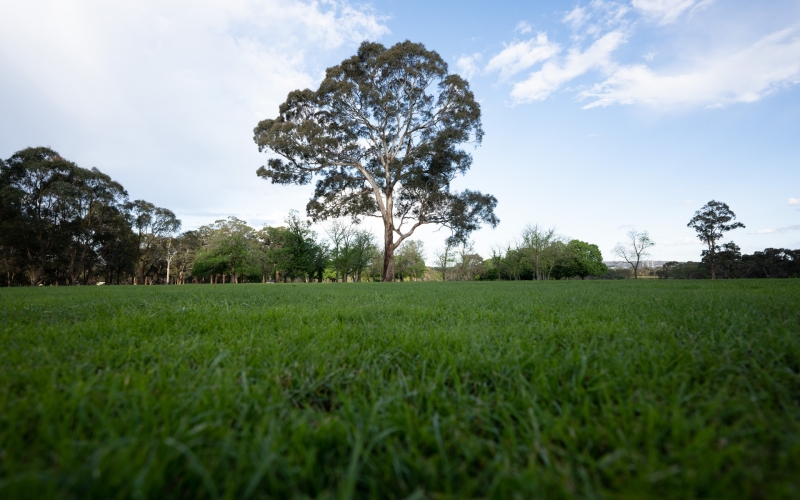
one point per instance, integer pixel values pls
(424, 390)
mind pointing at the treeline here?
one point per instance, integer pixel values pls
(230, 251)
(61, 224)
(539, 254)
(730, 263)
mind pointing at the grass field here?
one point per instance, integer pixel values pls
(425, 390)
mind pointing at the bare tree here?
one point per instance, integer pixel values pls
(635, 248)
(444, 257)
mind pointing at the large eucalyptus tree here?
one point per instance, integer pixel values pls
(383, 136)
(711, 222)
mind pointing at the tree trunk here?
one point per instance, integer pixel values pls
(39, 273)
(388, 254)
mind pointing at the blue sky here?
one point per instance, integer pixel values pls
(599, 116)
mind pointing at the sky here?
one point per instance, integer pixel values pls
(599, 116)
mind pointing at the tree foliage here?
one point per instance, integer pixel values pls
(582, 259)
(542, 254)
(410, 261)
(731, 264)
(60, 223)
(711, 222)
(382, 135)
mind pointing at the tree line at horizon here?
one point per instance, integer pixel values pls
(382, 136)
(63, 224)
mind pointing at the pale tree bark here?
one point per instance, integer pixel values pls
(636, 248)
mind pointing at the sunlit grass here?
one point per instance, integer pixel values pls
(438, 390)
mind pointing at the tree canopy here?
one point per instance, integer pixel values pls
(582, 260)
(711, 222)
(383, 136)
(57, 220)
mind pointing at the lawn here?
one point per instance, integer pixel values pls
(628, 389)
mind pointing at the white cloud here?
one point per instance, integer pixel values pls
(794, 227)
(540, 84)
(666, 11)
(576, 17)
(743, 76)
(468, 65)
(523, 27)
(649, 56)
(794, 201)
(522, 55)
(161, 95)
(597, 18)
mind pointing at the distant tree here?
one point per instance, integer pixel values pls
(340, 235)
(236, 243)
(683, 270)
(271, 253)
(582, 260)
(711, 222)
(150, 225)
(307, 258)
(635, 248)
(516, 264)
(468, 264)
(38, 195)
(728, 261)
(411, 260)
(543, 249)
(186, 246)
(362, 253)
(230, 249)
(443, 257)
(382, 132)
(117, 247)
(96, 201)
(773, 263)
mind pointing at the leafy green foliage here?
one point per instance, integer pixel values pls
(627, 389)
(711, 222)
(382, 134)
(410, 260)
(542, 255)
(582, 259)
(63, 224)
(230, 249)
(57, 220)
(730, 263)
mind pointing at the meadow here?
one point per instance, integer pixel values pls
(597, 389)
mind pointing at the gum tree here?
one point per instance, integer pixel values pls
(383, 136)
(711, 222)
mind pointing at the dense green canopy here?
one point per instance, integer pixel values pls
(383, 136)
